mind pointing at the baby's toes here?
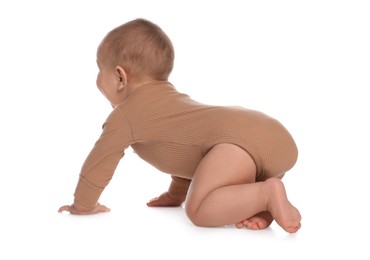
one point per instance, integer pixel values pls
(251, 225)
(239, 225)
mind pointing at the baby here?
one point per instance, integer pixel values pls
(226, 163)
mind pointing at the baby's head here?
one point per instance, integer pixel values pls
(141, 48)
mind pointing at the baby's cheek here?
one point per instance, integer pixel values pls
(98, 81)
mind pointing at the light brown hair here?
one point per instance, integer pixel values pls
(141, 48)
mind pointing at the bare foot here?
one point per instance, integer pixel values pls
(259, 221)
(284, 213)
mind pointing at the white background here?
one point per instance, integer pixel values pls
(305, 63)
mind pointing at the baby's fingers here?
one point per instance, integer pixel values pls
(72, 210)
(153, 203)
(102, 209)
(65, 208)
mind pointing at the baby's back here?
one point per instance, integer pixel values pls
(174, 132)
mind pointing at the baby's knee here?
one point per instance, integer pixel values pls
(194, 216)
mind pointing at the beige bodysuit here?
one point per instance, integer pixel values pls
(173, 133)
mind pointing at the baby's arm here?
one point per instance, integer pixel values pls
(100, 165)
(175, 195)
(95, 175)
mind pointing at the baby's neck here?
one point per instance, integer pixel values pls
(135, 84)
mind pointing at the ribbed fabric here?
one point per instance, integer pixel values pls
(178, 187)
(172, 132)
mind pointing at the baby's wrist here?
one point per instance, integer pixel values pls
(81, 208)
(177, 197)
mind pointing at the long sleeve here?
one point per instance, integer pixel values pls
(178, 187)
(103, 159)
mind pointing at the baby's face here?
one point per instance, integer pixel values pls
(106, 80)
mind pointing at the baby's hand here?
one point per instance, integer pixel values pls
(165, 200)
(78, 209)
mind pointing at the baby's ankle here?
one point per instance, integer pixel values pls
(274, 188)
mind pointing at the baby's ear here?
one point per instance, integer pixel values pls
(121, 77)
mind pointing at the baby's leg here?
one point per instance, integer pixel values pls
(223, 191)
(261, 220)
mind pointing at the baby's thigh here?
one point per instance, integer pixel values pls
(224, 165)
(276, 155)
